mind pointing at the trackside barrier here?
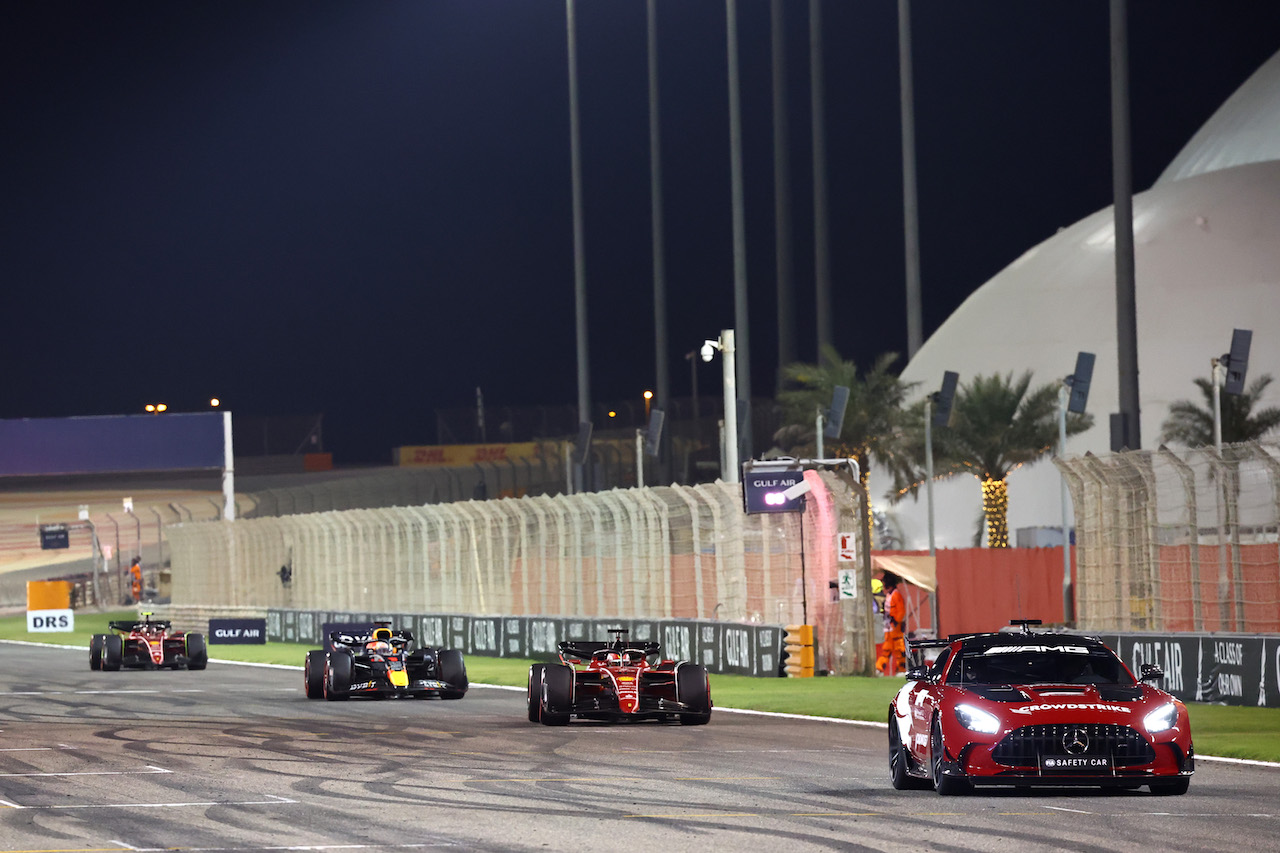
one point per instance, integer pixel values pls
(798, 645)
(1228, 669)
(722, 647)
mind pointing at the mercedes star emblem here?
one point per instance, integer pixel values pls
(1075, 742)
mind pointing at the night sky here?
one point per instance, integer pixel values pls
(364, 208)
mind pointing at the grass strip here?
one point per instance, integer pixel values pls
(1230, 731)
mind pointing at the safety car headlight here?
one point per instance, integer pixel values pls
(1161, 719)
(977, 719)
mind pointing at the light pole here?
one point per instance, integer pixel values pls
(943, 397)
(1072, 396)
(729, 471)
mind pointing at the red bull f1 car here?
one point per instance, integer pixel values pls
(382, 664)
(617, 681)
(146, 644)
(1035, 708)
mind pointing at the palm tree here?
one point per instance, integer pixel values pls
(1192, 425)
(997, 425)
(873, 420)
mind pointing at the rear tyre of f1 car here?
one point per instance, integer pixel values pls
(337, 676)
(313, 675)
(900, 761)
(946, 786)
(95, 652)
(693, 689)
(557, 695)
(197, 652)
(1174, 788)
(112, 652)
(535, 692)
(453, 671)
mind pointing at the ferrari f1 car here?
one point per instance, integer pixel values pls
(382, 664)
(617, 680)
(146, 644)
(1035, 708)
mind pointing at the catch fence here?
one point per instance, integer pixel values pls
(687, 552)
(1184, 540)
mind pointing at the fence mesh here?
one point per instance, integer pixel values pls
(665, 552)
(1178, 540)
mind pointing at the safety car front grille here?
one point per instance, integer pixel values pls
(1024, 747)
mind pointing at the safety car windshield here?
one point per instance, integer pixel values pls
(1038, 664)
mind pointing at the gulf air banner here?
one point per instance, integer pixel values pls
(463, 455)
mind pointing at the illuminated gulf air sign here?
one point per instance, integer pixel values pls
(762, 491)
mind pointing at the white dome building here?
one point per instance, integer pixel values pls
(1207, 256)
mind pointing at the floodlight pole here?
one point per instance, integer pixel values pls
(640, 458)
(1219, 371)
(928, 490)
(821, 424)
(730, 474)
(1068, 602)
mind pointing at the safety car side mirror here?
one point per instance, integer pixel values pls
(918, 673)
(1150, 672)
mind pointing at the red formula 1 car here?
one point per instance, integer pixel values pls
(147, 644)
(617, 680)
(1035, 708)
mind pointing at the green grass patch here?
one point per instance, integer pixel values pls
(1226, 730)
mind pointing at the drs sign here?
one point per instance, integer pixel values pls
(237, 631)
(51, 620)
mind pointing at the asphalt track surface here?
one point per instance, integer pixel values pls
(236, 759)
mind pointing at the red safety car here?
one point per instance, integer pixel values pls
(619, 681)
(147, 643)
(1035, 708)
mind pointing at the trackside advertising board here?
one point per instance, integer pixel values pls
(1230, 669)
(743, 649)
(237, 631)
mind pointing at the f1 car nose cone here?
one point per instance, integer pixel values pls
(399, 677)
(628, 703)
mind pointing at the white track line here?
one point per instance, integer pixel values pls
(865, 723)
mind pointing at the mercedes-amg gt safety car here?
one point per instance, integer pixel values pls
(146, 644)
(617, 680)
(1035, 708)
(382, 664)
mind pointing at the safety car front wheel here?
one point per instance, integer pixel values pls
(1174, 788)
(946, 786)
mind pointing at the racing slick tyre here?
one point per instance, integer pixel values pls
(112, 652)
(453, 670)
(899, 761)
(693, 689)
(197, 652)
(535, 692)
(337, 676)
(1173, 788)
(946, 786)
(556, 701)
(313, 675)
(95, 651)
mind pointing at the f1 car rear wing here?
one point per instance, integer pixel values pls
(399, 639)
(144, 625)
(582, 650)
